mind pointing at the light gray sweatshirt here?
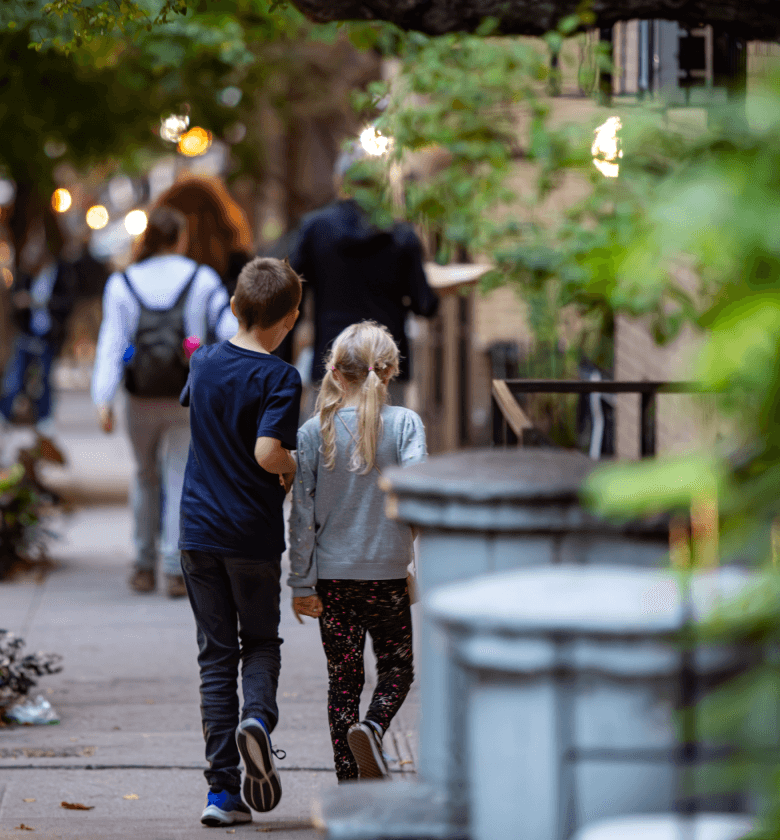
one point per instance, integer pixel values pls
(338, 527)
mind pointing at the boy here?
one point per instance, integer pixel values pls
(244, 405)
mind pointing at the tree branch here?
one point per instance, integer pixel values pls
(756, 20)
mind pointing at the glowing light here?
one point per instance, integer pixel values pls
(8, 277)
(7, 191)
(606, 147)
(54, 148)
(173, 126)
(230, 96)
(97, 217)
(375, 143)
(195, 142)
(135, 222)
(5, 252)
(61, 200)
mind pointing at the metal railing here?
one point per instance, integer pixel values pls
(510, 420)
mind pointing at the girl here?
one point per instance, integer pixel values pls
(158, 427)
(348, 559)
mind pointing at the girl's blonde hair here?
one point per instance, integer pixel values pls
(366, 356)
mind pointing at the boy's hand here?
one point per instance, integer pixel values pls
(286, 480)
(309, 605)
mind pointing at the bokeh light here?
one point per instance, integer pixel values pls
(7, 191)
(606, 148)
(61, 200)
(97, 217)
(54, 148)
(195, 142)
(5, 252)
(375, 143)
(230, 96)
(8, 277)
(135, 222)
(173, 126)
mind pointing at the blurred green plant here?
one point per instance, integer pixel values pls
(20, 514)
(700, 199)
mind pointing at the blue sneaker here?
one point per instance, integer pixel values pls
(224, 808)
(262, 786)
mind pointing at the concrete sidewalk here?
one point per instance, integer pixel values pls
(129, 744)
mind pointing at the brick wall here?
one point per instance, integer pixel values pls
(679, 426)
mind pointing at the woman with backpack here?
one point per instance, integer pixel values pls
(161, 305)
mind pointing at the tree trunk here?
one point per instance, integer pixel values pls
(758, 20)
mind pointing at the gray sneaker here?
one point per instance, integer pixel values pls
(262, 786)
(366, 746)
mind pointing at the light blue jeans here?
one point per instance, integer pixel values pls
(159, 431)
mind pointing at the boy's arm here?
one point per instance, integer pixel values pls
(273, 457)
(278, 424)
(303, 564)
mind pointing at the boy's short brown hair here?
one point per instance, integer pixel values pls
(267, 291)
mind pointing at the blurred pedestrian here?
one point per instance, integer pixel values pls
(348, 560)
(164, 299)
(356, 270)
(219, 232)
(42, 298)
(244, 404)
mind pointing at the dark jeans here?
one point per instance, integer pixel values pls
(29, 369)
(236, 605)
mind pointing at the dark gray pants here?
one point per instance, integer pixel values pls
(236, 605)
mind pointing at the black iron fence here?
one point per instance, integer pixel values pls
(510, 420)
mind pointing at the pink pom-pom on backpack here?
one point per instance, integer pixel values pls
(191, 344)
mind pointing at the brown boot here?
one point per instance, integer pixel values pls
(174, 586)
(142, 580)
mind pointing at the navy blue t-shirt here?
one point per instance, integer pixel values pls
(229, 503)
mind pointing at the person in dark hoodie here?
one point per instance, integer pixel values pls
(357, 272)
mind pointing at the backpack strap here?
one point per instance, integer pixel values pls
(133, 292)
(214, 292)
(179, 298)
(185, 291)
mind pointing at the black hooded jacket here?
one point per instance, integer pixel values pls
(357, 271)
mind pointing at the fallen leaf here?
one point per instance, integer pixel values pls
(150, 702)
(23, 827)
(28, 800)
(231, 831)
(130, 796)
(76, 806)
(117, 728)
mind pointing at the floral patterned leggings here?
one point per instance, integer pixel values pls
(350, 609)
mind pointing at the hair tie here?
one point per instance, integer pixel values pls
(370, 367)
(333, 367)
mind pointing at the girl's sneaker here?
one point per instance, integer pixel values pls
(223, 808)
(366, 745)
(262, 786)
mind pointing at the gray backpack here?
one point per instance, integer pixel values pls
(159, 366)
